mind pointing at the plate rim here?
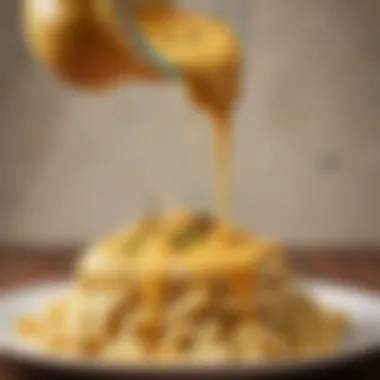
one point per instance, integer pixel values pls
(24, 355)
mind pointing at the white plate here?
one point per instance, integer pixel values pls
(362, 308)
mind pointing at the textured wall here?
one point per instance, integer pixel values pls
(307, 137)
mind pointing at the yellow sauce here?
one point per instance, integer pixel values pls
(222, 176)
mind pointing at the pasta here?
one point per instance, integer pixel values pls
(184, 288)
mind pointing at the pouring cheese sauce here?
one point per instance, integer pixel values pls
(209, 59)
(197, 280)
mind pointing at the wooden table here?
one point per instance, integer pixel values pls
(20, 266)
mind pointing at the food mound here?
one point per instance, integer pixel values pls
(184, 288)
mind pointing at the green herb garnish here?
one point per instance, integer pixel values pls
(196, 230)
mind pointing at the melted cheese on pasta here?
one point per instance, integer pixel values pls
(183, 287)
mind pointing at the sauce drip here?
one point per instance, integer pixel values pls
(222, 176)
(153, 293)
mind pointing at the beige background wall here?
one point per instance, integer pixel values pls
(307, 137)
